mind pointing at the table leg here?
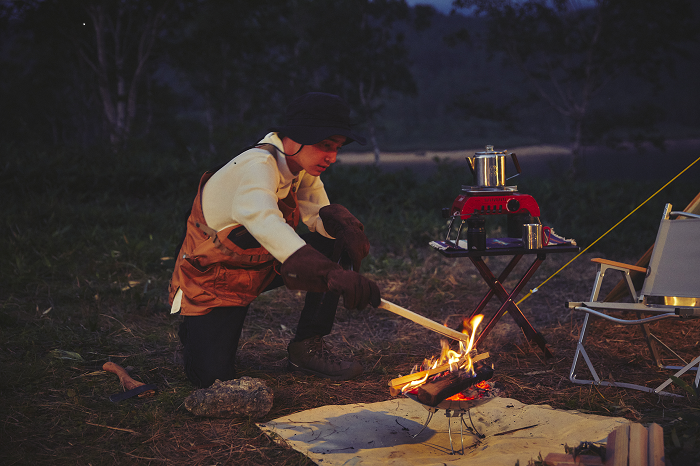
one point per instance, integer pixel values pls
(501, 278)
(508, 305)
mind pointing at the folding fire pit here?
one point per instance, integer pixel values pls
(455, 382)
(456, 393)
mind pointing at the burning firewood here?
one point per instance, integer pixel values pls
(395, 385)
(446, 370)
(434, 392)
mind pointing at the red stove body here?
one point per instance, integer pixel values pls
(492, 202)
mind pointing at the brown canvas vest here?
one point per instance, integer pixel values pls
(213, 271)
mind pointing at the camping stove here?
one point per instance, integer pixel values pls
(475, 202)
(490, 197)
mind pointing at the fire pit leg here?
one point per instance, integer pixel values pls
(473, 428)
(449, 429)
(431, 411)
(449, 415)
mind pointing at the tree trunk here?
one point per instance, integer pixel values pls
(209, 116)
(366, 101)
(119, 103)
(577, 165)
(375, 144)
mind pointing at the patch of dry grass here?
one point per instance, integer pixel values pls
(85, 271)
(56, 410)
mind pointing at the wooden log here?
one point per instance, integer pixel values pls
(638, 445)
(656, 445)
(632, 444)
(432, 393)
(620, 452)
(399, 382)
(628, 445)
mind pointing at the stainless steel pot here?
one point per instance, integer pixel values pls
(489, 167)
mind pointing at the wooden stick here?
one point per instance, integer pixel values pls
(399, 382)
(113, 428)
(423, 321)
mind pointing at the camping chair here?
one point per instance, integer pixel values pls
(671, 290)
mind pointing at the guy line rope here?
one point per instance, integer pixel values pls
(534, 290)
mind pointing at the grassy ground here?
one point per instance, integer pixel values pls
(85, 263)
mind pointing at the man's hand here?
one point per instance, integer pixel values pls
(348, 232)
(356, 290)
(309, 270)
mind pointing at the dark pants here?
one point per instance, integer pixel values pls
(210, 341)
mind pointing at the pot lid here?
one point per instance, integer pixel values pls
(490, 152)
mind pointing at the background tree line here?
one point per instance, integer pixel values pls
(209, 76)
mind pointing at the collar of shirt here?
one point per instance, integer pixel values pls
(287, 177)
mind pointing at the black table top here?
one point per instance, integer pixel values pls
(500, 247)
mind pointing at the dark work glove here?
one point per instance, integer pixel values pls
(309, 270)
(356, 290)
(348, 232)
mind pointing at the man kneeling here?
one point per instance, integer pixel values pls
(241, 241)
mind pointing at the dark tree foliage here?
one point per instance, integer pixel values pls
(570, 52)
(45, 101)
(202, 75)
(87, 61)
(234, 58)
(349, 47)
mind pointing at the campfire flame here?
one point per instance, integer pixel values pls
(457, 360)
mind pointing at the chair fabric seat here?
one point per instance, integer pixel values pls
(674, 269)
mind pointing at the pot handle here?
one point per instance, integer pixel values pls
(470, 161)
(517, 165)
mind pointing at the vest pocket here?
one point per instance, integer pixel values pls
(248, 281)
(204, 279)
(242, 238)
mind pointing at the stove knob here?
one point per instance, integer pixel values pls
(512, 205)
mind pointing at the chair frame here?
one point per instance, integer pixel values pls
(660, 312)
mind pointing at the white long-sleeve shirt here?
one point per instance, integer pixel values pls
(246, 190)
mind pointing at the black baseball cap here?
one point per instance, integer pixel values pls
(316, 116)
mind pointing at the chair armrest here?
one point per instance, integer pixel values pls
(688, 311)
(619, 265)
(684, 214)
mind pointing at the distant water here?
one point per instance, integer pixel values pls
(599, 162)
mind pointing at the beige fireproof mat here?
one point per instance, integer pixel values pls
(381, 433)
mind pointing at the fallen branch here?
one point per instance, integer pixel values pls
(113, 428)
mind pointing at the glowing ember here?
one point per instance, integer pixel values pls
(477, 392)
(460, 360)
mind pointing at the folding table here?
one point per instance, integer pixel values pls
(505, 247)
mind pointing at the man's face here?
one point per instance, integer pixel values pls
(317, 158)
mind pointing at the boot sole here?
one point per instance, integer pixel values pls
(291, 367)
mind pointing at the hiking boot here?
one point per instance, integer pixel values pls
(314, 356)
